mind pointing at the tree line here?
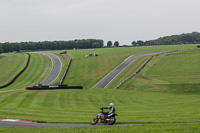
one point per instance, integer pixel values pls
(186, 38)
(52, 45)
(1, 49)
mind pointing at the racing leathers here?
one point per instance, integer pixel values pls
(112, 110)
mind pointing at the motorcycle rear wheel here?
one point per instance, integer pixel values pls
(94, 121)
(112, 121)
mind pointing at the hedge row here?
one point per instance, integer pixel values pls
(53, 87)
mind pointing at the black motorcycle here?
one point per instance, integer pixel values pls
(110, 119)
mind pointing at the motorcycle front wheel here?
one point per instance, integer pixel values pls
(111, 121)
(94, 121)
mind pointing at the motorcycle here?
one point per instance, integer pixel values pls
(110, 119)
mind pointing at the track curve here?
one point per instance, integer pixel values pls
(57, 65)
(109, 77)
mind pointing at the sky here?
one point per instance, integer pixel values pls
(110, 20)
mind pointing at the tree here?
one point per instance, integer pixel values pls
(186, 38)
(140, 43)
(116, 44)
(147, 43)
(134, 43)
(109, 43)
(1, 49)
(96, 45)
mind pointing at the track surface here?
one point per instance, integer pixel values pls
(108, 78)
(26, 124)
(57, 65)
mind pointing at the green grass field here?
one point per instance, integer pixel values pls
(152, 96)
(10, 66)
(79, 106)
(88, 71)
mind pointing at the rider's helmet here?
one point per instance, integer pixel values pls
(111, 104)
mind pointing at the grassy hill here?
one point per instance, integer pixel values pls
(132, 101)
(11, 65)
(88, 71)
(178, 72)
(39, 68)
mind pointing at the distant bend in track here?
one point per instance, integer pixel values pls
(57, 65)
(109, 77)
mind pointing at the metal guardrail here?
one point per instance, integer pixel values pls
(67, 69)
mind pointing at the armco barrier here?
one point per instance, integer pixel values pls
(63, 78)
(53, 87)
(13, 80)
(148, 62)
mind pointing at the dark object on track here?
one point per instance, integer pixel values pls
(46, 87)
(198, 46)
(65, 52)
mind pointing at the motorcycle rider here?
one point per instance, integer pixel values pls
(112, 110)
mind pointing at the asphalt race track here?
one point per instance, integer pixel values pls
(108, 78)
(57, 65)
(27, 124)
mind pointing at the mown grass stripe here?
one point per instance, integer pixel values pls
(6, 65)
(4, 96)
(18, 73)
(11, 98)
(62, 98)
(27, 100)
(10, 65)
(38, 100)
(18, 101)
